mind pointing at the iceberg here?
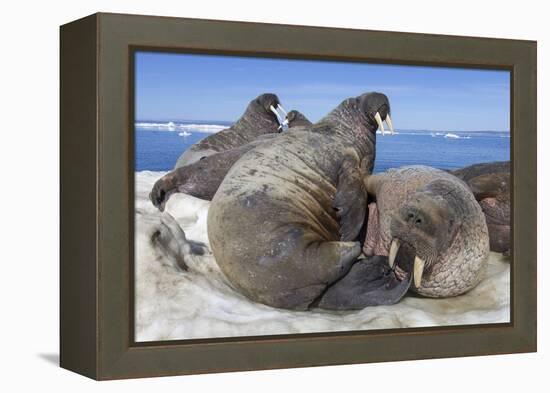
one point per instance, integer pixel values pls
(455, 136)
(210, 128)
(172, 126)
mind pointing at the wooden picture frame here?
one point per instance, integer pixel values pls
(97, 165)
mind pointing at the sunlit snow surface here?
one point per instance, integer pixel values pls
(200, 303)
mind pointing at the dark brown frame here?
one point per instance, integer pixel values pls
(97, 172)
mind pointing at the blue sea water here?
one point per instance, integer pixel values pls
(159, 144)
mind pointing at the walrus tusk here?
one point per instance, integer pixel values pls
(283, 124)
(272, 109)
(379, 121)
(393, 252)
(418, 270)
(280, 107)
(389, 123)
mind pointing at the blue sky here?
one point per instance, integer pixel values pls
(205, 87)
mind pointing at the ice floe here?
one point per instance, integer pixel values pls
(173, 304)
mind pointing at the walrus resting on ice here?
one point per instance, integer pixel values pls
(490, 183)
(435, 217)
(284, 223)
(263, 115)
(201, 179)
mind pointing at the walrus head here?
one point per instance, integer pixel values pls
(297, 119)
(434, 223)
(271, 106)
(376, 108)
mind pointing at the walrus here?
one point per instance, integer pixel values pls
(167, 237)
(437, 218)
(284, 223)
(490, 183)
(201, 179)
(263, 115)
(297, 119)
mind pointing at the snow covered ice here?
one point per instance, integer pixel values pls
(172, 304)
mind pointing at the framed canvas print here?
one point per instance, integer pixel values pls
(240, 196)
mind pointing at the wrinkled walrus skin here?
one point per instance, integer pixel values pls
(490, 183)
(285, 220)
(201, 179)
(436, 215)
(257, 120)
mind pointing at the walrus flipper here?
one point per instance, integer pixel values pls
(350, 201)
(370, 282)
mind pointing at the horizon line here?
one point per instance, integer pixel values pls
(212, 122)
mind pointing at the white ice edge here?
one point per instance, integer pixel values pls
(200, 303)
(171, 126)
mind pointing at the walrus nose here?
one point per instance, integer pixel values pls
(413, 217)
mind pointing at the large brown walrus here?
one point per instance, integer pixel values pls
(435, 216)
(284, 223)
(201, 179)
(490, 183)
(263, 115)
